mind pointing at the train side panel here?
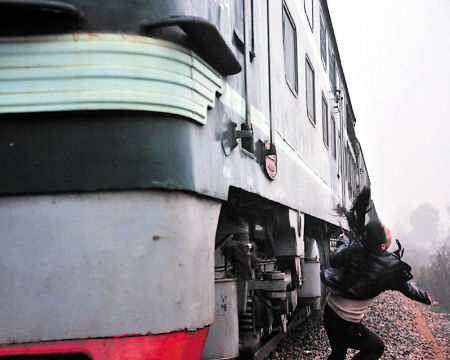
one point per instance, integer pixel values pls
(105, 264)
(153, 152)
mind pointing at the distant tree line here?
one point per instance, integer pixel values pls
(427, 250)
(435, 278)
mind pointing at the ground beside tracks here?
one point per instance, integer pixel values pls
(410, 331)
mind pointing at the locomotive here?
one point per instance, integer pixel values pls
(169, 174)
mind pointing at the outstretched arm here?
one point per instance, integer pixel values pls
(414, 293)
(342, 252)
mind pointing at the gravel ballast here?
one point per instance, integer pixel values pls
(410, 331)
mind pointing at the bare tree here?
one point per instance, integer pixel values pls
(436, 277)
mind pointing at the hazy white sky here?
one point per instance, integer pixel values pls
(396, 60)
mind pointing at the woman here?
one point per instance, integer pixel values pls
(360, 269)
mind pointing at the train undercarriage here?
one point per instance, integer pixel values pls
(267, 275)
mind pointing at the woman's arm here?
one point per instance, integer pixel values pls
(342, 252)
(414, 293)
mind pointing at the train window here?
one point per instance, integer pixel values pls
(344, 159)
(310, 90)
(323, 42)
(290, 50)
(252, 31)
(351, 172)
(325, 120)
(309, 10)
(347, 163)
(333, 135)
(331, 66)
(339, 152)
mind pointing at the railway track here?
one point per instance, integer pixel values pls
(300, 316)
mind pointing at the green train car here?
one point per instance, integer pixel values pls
(169, 174)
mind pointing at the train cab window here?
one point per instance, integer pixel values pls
(290, 50)
(325, 120)
(333, 135)
(331, 66)
(309, 10)
(323, 41)
(310, 90)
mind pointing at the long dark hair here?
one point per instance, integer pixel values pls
(371, 235)
(356, 217)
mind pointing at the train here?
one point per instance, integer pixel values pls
(169, 175)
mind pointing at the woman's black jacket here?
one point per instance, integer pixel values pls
(358, 274)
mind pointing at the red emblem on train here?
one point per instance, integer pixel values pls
(270, 160)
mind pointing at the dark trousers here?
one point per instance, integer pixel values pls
(344, 334)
